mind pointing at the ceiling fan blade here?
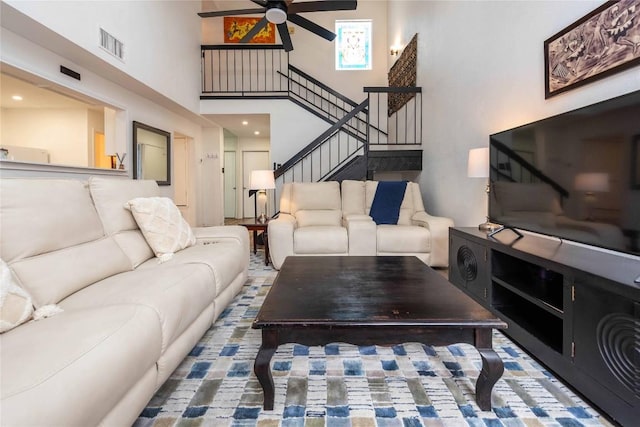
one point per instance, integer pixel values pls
(262, 3)
(255, 30)
(285, 37)
(312, 26)
(230, 12)
(322, 6)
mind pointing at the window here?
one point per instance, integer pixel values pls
(353, 45)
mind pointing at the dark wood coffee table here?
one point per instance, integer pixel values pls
(371, 301)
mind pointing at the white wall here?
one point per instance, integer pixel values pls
(20, 53)
(292, 128)
(481, 69)
(315, 55)
(161, 38)
(209, 176)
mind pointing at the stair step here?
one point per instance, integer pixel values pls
(395, 160)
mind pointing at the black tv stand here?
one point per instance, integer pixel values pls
(576, 309)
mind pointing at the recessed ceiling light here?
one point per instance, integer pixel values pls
(16, 98)
(244, 122)
(256, 132)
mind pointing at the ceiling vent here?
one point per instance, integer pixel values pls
(111, 44)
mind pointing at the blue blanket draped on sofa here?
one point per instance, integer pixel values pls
(385, 208)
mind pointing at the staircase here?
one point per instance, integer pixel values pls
(362, 138)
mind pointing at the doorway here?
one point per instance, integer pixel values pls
(100, 158)
(251, 160)
(181, 171)
(230, 187)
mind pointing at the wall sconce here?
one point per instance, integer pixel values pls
(395, 50)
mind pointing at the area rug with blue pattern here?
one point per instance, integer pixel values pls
(342, 385)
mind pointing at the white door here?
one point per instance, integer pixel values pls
(230, 187)
(251, 160)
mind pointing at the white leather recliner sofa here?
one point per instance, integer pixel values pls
(328, 218)
(310, 222)
(128, 320)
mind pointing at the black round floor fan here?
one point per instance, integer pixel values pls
(467, 264)
(280, 11)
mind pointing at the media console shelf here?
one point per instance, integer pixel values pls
(574, 308)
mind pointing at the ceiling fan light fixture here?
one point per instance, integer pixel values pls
(277, 15)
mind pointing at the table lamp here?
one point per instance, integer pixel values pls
(261, 181)
(478, 167)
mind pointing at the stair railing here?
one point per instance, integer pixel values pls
(325, 154)
(251, 72)
(401, 127)
(244, 71)
(323, 101)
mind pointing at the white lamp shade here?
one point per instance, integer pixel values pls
(261, 180)
(592, 182)
(478, 166)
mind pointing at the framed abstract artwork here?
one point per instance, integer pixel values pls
(236, 27)
(604, 42)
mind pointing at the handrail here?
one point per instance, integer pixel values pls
(319, 140)
(323, 86)
(392, 89)
(529, 167)
(348, 129)
(326, 100)
(333, 104)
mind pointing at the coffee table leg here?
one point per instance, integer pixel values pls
(492, 369)
(262, 367)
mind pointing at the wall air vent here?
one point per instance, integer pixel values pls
(111, 44)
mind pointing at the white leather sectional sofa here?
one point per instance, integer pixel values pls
(128, 320)
(331, 218)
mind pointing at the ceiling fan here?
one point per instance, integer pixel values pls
(280, 11)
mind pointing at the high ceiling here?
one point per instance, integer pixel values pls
(233, 123)
(46, 96)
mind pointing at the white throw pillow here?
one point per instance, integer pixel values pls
(162, 225)
(15, 303)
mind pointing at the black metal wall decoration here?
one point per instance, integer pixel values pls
(404, 74)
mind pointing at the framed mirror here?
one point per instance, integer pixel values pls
(151, 153)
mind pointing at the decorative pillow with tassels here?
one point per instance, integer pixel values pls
(162, 225)
(15, 303)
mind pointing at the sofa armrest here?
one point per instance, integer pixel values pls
(280, 232)
(362, 233)
(224, 233)
(439, 228)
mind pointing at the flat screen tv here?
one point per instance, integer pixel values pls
(575, 176)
